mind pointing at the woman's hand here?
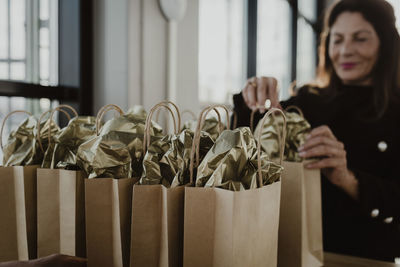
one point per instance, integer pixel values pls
(258, 90)
(322, 143)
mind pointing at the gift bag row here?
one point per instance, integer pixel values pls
(126, 194)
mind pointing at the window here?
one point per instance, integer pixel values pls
(396, 7)
(13, 44)
(48, 42)
(243, 38)
(221, 49)
(29, 34)
(25, 53)
(274, 42)
(45, 56)
(306, 42)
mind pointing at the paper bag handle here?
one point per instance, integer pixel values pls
(296, 108)
(178, 113)
(191, 113)
(38, 126)
(201, 122)
(4, 122)
(59, 108)
(102, 112)
(164, 104)
(282, 144)
(235, 119)
(197, 133)
(253, 112)
(157, 108)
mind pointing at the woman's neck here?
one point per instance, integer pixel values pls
(364, 82)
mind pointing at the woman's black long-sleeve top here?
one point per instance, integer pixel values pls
(369, 227)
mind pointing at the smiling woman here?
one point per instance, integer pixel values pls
(354, 110)
(377, 47)
(353, 48)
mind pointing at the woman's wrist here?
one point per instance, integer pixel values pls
(350, 185)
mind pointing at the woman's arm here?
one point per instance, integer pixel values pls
(322, 143)
(378, 197)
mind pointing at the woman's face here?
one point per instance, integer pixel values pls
(353, 48)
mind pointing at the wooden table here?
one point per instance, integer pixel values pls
(337, 260)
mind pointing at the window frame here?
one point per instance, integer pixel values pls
(80, 96)
(295, 14)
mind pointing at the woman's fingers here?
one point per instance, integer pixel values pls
(326, 163)
(262, 93)
(273, 92)
(252, 82)
(258, 90)
(252, 97)
(321, 140)
(321, 130)
(323, 151)
(249, 96)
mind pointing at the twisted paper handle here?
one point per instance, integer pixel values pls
(197, 134)
(102, 112)
(267, 105)
(4, 122)
(235, 119)
(177, 111)
(296, 108)
(163, 104)
(191, 113)
(253, 112)
(59, 108)
(282, 143)
(201, 122)
(157, 112)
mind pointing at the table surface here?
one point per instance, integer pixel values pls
(338, 260)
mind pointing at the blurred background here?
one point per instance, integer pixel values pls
(88, 53)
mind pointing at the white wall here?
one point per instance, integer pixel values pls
(131, 53)
(187, 61)
(110, 53)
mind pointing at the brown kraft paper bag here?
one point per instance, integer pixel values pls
(61, 212)
(157, 226)
(300, 223)
(232, 228)
(18, 213)
(157, 205)
(218, 231)
(60, 201)
(110, 159)
(18, 223)
(108, 221)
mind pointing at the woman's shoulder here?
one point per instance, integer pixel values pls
(312, 100)
(310, 90)
(305, 95)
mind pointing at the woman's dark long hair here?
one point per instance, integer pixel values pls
(386, 72)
